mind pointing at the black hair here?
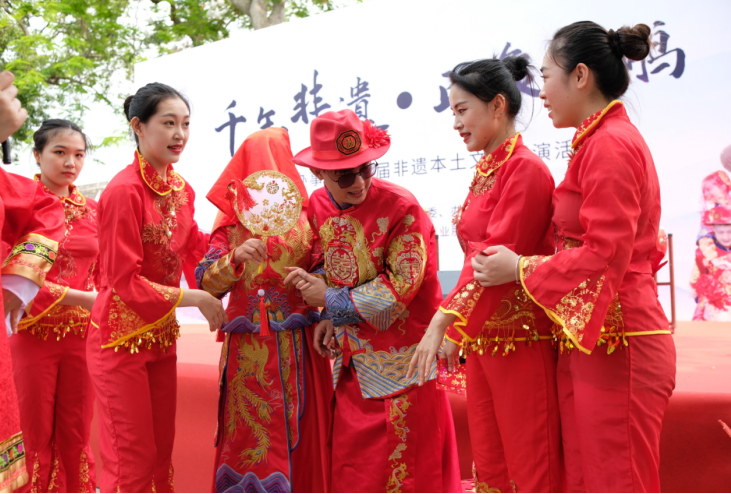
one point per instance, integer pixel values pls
(490, 77)
(602, 51)
(143, 104)
(52, 127)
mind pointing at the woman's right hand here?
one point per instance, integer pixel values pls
(253, 249)
(210, 307)
(12, 113)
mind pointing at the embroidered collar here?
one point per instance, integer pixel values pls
(488, 164)
(588, 125)
(75, 197)
(154, 180)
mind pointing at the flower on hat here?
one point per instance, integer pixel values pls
(375, 137)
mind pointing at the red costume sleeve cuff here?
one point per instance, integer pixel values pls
(31, 258)
(457, 326)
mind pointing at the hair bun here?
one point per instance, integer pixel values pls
(127, 104)
(631, 42)
(518, 66)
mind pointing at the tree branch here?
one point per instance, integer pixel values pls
(173, 16)
(258, 14)
(242, 5)
(20, 23)
(277, 15)
(55, 81)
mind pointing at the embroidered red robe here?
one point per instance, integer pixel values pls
(272, 429)
(379, 260)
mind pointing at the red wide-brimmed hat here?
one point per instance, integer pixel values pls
(340, 140)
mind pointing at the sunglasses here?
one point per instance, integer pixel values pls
(348, 179)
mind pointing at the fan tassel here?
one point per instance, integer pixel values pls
(263, 314)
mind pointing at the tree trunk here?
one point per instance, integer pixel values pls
(257, 11)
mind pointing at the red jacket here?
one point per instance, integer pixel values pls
(76, 267)
(146, 233)
(599, 287)
(509, 203)
(379, 258)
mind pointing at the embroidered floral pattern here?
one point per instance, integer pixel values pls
(161, 234)
(465, 300)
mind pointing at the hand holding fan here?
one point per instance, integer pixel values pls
(268, 204)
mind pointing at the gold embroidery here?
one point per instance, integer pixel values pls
(130, 331)
(282, 215)
(60, 320)
(161, 235)
(481, 184)
(83, 473)
(54, 470)
(591, 122)
(613, 330)
(243, 402)
(35, 485)
(220, 276)
(32, 257)
(285, 360)
(347, 253)
(407, 258)
(382, 228)
(292, 249)
(397, 416)
(486, 169)
(171, 482)
(465, 299)
(576, 307)
(154, 180)
(516, 312)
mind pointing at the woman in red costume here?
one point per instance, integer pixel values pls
(275, 399)
(512, 404)
(616, 370)
(49, 353)
(377, 279)
(146, 232)
(32, 224)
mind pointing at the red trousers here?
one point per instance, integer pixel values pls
(136, 396)
(56, 407)
(512, 409)
(401, 444)
(612, 407)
